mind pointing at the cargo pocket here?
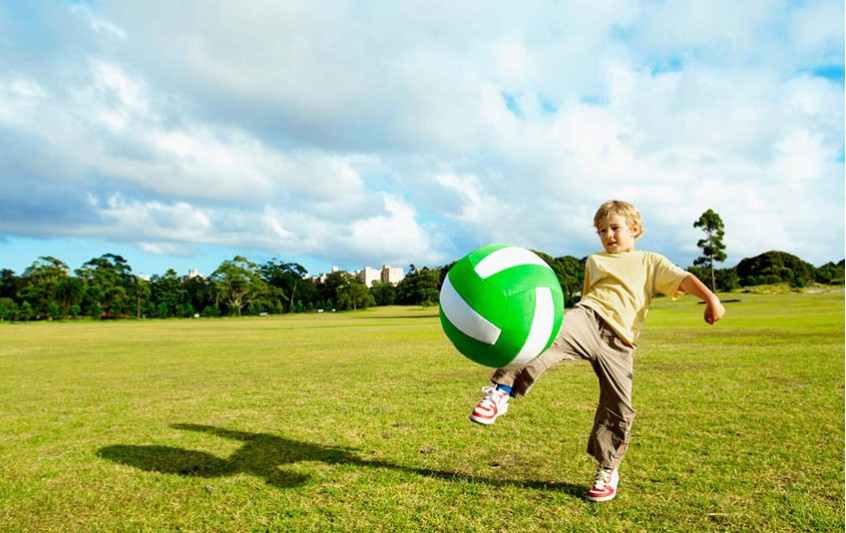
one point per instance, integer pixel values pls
(609, 439)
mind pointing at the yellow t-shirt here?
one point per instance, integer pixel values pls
(619, 287)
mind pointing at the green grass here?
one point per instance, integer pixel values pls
(358, 421)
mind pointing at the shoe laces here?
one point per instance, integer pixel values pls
(603, 477)
(491, 394)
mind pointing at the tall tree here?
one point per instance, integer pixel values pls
(168, 294)
(284, 278)
(383, 293)
(354, 295)
(328, 288)
(713, 249)
(69, 292)
(41, 281)
(238, 283)
(200, 293)
(10, 284)
(419, 287)
(141, 291)
(106, 280)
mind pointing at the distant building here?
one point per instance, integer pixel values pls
(392, 275)
(387, 274)
(368, 276)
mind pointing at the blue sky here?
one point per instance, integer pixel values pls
(181, 134)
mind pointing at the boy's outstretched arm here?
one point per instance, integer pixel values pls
(714, 310)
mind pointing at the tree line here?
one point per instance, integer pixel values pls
(106, 288)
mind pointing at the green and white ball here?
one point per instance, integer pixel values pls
(501, 306)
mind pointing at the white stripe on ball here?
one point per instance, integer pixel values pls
(465, 318)
(541, 328)
(505, 258)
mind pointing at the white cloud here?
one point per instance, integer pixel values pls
(98, 24)
(174, 222)
(390, 237)
(515, 65)
(478, 207)
(21, 98)
(799, 157)
(817, 30)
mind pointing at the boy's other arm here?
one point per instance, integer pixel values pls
(714, 310)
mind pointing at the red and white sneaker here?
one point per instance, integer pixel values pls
(604, 485)
(493, 405)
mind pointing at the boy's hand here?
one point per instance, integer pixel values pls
(714, 311)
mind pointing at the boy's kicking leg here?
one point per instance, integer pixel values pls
(576, 339)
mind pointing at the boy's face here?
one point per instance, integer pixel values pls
(616, 234)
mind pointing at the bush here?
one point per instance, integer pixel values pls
(830, 274)
(8, 309)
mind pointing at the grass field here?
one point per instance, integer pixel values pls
(358, 422)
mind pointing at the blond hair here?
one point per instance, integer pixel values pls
(623, 209)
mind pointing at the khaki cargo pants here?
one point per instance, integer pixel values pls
(584, 335)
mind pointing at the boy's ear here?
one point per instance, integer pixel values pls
(636, 230)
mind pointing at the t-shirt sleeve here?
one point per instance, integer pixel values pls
(667, 277)
(587, 282)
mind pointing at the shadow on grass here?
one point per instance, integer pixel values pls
(264, 455)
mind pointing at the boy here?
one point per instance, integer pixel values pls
(603, 328)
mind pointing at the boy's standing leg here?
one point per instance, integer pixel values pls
(609, 438)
